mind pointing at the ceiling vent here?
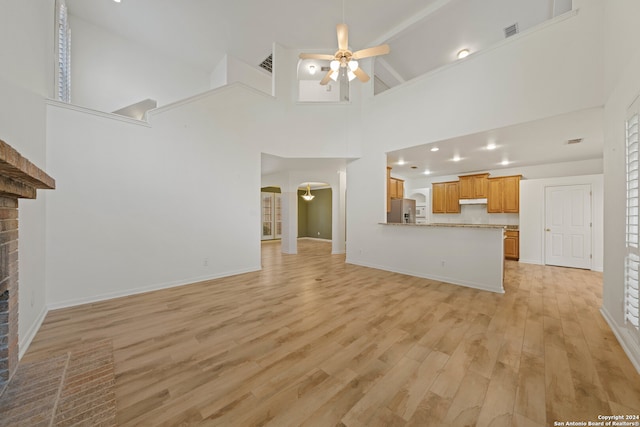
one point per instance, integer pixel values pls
(574, 141)
(511, 30)
(267, 64)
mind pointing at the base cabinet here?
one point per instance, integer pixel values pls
(512, 244)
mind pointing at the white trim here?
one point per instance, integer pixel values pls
(630, 347)
(112, 116)
(25, 342)
(145, 289)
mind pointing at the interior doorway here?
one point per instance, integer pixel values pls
(568, 226)
(315, 216)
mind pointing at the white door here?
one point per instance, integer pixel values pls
(568, 226)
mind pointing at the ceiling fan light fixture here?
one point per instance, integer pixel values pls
(463, 53)
(334, 76)
(350, 75)
(308, 196)
(312, 69)
(353, 65)
(334, 65)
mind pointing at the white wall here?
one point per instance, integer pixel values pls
(109, 72)
(232, 70)
(26, 78)
(623, 85)
(144, 207)
(532, 217)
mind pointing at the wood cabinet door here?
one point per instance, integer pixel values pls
(438, 197)
(511, 194)
(512, 245)
(399, 188)
(452, 197)
(466, 187)
(479, 187)
(388, 189)
(494, 195)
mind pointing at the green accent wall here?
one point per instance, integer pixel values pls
(314, 217)
(270, 189)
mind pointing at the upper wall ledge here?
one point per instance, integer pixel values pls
(111, 116)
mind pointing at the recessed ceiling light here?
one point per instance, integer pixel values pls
(504, 162)
(117, 1)
(463, 53)
(491, 146)
(426, 172)
(401, 163)
(456, 158)
(312, 69)
(434, 149)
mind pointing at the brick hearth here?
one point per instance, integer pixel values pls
(19, 178)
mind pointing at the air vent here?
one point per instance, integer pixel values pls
(574, 141)
(511, 30)
(325, 69)
(267, 64)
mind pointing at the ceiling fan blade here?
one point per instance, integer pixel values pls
(361, 75)
(383, 49)
(326, 78)
(343, 37)
(320, 56)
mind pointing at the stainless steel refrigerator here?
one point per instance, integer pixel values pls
(402, 211)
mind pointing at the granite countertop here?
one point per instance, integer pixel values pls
(448, 224)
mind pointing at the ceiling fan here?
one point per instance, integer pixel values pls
(345, 61)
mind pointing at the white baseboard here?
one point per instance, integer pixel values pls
(25, 342)
(144, 289)
(628, 344)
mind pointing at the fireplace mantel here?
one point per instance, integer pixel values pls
(19, 179)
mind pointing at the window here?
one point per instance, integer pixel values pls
(632, 260)
(63, 70)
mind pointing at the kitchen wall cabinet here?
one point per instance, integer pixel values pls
(474, 186)
(512, 244)
(445, 197)
(395, 188)
(503, 194)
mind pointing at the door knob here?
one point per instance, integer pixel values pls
(548, 229)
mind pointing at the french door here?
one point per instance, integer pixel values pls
(271, 213)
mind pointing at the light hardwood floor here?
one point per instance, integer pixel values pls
(310, 340)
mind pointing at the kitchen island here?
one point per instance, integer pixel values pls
(470, 255)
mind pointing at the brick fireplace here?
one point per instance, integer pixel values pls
(19, 178)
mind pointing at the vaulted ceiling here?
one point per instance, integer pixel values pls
(423, 35)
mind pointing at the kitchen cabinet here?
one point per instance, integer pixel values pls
(512, 244)
(474, 186)
(395, 188)
(503, 194)
(445, 197)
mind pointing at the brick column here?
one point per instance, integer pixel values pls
(19, 178)
(8, 288)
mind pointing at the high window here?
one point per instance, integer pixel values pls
(63, 69)
(632, 261)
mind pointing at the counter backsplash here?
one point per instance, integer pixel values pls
(473, 214)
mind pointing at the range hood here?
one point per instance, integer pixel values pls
(473, 201)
